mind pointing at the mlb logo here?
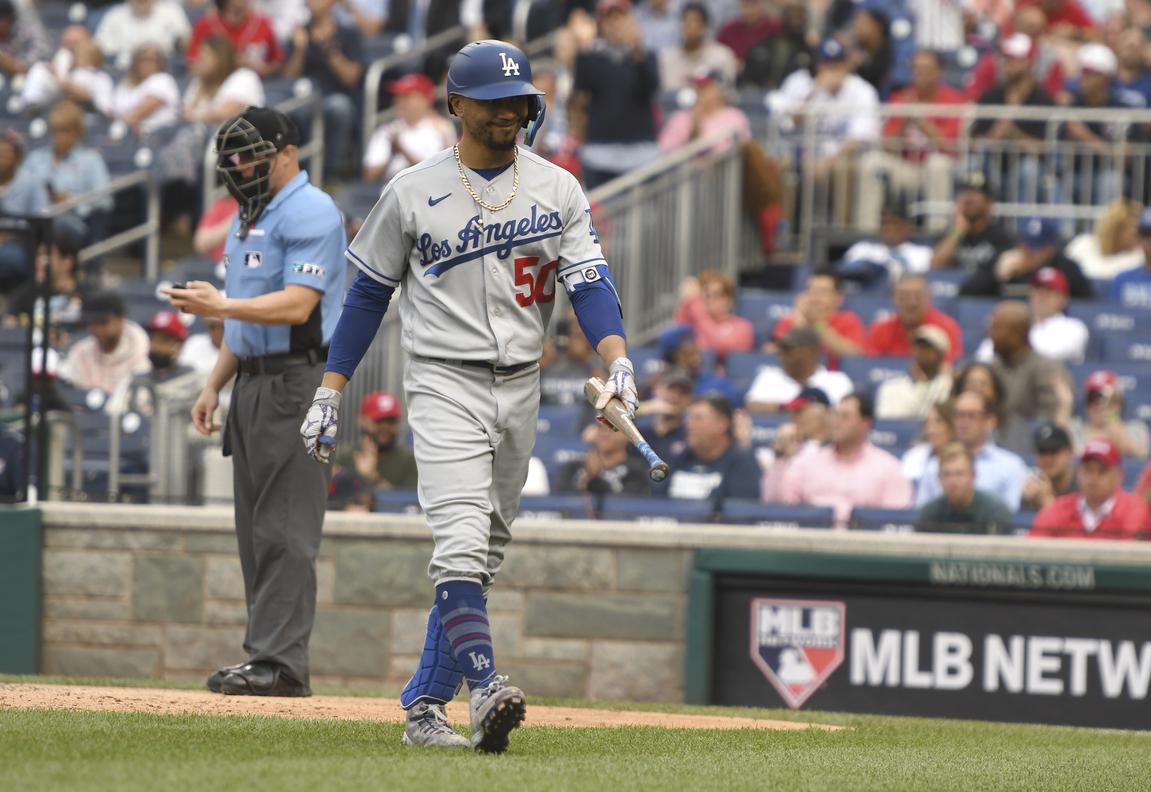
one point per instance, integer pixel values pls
(797, 644)
(252, 259)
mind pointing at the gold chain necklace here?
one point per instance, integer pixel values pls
(471, 190)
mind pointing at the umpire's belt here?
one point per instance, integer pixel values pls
(499, 371)
(274, 364)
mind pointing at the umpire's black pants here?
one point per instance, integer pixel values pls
(280, 497)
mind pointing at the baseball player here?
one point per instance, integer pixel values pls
(477, 237)
(284, 285)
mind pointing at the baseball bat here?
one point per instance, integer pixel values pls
(616, 415)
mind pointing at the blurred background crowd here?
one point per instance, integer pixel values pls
(941, 324)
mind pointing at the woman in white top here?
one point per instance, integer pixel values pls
(1113, 246)
(417, 133)
(220, 88)
(938, 431)
(147, 98)
(75, 72)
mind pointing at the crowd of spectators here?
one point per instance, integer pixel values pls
(1005, 426)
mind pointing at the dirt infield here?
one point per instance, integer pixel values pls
(196, 702)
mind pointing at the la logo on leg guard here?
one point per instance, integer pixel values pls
(480, 661)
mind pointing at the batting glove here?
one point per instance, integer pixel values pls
(319, 428)
(621, 384)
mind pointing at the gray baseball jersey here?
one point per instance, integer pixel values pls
(480, 286)
(477, 285)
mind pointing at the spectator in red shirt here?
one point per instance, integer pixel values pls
(1064, 18)
(819, 307)
(706, 304)
(915, 137)
(1101, 509)
(1044, 58)
(249, 31)
(891, 335)
(913, 144)
(753, 25)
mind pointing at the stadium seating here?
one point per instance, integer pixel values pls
(895, 436)
(868, 372)
(885, 520)
(743, 366)
(629, 508)
(775, 515)
(557, 506)
(401, 501)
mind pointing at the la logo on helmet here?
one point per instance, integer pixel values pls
(510, 66)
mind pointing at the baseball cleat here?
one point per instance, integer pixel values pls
(495, 711)
(428, 725)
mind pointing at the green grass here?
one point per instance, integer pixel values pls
(83, 750)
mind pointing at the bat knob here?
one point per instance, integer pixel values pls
(658, 473)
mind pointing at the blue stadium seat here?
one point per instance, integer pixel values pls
(1107, 318)
(895, 436)
(404, 501)
(868, 372)
(765, 426)
(557, 506)
(869, 306)
(972, 314)
(1126, 348)
(763, 309)
(1132, 468)
(559, 419)
(647, 362)
(885, 520)
(743, 366)
(556, 451)
(944, 285)
(13, 338)
(776, 515)
(629, 508)
(1021, 523)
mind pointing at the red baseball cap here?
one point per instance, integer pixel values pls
(1102, 381)
(379, 405)
(1051, 278)
(169, 322)
(414, 83)
(1101, 450)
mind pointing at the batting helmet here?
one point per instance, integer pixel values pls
(487, 70)
(245, 147)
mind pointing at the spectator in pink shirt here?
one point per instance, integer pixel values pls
(705, 305)
(711, 115)
(850, 472)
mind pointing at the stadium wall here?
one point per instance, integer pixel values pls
(639, 611)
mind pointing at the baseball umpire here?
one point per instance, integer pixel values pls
(477, 236)
(284, 286)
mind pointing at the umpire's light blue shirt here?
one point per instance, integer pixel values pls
(298, 240)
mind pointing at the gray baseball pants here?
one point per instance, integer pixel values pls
(474, 434)
(281, 494)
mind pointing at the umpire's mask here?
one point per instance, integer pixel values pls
(246, 144)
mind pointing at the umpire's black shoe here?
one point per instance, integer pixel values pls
(217, 677)
(262, 679)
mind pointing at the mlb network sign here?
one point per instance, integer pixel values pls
(989, 659)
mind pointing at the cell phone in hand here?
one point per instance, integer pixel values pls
(178, 286)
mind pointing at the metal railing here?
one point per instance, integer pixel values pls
(837, 184)
(311, 152)
(668, 220)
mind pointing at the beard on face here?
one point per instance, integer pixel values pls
(493, 137)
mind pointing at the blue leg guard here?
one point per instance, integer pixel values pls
(439, 676)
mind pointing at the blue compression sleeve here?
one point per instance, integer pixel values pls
(364, 308)
(597, 309)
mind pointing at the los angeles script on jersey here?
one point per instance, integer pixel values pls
(476, 239)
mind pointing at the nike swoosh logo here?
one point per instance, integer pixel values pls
(433, 201)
